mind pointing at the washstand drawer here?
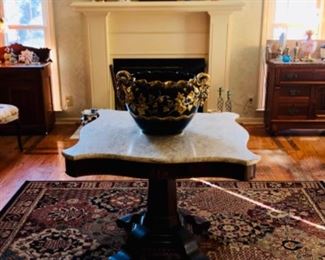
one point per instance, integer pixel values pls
(21, 74)
(297, 110)
(294, 91)
(295, 75)
(319, 75)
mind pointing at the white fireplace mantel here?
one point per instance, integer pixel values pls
(219, 6)
(98, 27)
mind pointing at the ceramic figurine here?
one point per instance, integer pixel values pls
(13, 59)
(282, 44)
(283, 41)
(308, 46)
(26, 56)
(9, 56)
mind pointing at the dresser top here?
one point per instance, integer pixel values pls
(317, 62)
(24, 66)
(209, 137)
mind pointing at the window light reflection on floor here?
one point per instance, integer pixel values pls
(260, 204)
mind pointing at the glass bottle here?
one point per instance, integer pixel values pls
(228, 105)
(296, 52)
(220, 101)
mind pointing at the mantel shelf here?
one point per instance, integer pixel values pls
(221, 6)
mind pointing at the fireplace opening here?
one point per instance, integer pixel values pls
(161, 69)
(158, 69)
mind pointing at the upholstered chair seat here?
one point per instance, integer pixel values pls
(8, 114)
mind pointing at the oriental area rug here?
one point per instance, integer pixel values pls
(249, 220)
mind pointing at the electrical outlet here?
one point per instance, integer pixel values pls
(68, 101)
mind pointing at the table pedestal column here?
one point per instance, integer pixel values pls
(158, 233)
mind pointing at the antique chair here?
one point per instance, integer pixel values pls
(10, 114)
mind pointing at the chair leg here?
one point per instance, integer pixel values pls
(20, 145)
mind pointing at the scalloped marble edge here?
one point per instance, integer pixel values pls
(131, 144)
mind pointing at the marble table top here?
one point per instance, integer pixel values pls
(209, 137)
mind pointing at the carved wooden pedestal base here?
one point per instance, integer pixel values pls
(159, 232)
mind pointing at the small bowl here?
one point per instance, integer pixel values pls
(162, 107)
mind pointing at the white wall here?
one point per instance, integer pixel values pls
(72, 54)
(244, 61)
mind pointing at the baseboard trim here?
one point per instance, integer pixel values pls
(67, 121)
(259, 121)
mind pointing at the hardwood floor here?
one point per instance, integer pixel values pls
(283, 158)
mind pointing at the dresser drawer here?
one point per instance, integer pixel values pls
(319, 75)
(287, 75)
(294, 91)
(21, 74)
(292, 110)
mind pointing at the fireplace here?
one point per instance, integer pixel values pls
(156, 29)
(161, 69)
(173, 69)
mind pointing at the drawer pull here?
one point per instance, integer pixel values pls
(291, 76)
(293, 110)
(294, 92)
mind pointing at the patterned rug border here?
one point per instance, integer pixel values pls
(14, 198)
(221, 183)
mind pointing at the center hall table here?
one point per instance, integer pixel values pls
(212, 145)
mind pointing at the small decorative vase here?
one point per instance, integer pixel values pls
(162, 108)
(228, 105)
(286, 58)
(220, 101)
(322, 52)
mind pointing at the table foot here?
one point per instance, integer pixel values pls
(120, 255)
(186, 248)
(126, 222)
(175, 243)
(199, 225)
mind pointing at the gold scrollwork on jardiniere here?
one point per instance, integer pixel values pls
(162, 108)
(162, 99)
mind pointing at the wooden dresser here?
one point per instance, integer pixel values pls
(295, 96)
(29, 88)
